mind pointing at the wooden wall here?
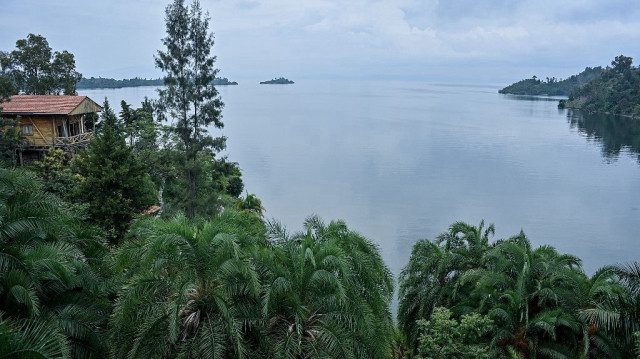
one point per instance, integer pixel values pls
(43, 130)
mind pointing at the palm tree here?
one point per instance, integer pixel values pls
(431, 278)
(425, 283)
(598, 302)
(46, 273)
(529, 293)
(190, 291)
(31, 339)
(327, 295)
(469, 242)
(628, 324)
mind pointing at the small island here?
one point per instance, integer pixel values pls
(278, 81)
(223, 82)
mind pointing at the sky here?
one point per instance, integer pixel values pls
(471, 41)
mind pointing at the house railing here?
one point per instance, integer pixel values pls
(77, 140)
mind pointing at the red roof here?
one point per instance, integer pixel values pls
(42, 104)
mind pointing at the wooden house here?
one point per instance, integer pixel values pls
(52, 121)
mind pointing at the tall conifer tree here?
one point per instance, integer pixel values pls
(114, 183)
(190, 99)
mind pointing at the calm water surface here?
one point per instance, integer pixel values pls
(401, 161)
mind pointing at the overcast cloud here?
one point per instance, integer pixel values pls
(453, 40)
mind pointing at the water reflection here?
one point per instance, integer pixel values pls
(615, 134)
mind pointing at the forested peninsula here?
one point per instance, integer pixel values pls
(552, 86)
(101, 82)
(614, 89)
(142, 245)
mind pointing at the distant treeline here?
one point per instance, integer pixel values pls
(101, 82)
(552, 86)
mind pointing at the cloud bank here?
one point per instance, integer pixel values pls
(429, 39)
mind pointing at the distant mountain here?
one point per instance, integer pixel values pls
(278, 81)
(108, 83)
(616, 90)
(552, 86)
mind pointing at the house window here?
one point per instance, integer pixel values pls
(27, 130)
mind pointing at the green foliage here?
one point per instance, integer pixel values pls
(430, 278)
(55, 171)
(251, 204)
(113, 182)
(327, 295)
(541, 302)
(190, 99)
(10, 137)
(31, 339)
(218, 288)
(235, 186)
(189, 288)
(230, 286)
(443, 337)
(51, 288)
(552, 86)
(616, 90)
(7, 78)
(10, 141)
(35, 70)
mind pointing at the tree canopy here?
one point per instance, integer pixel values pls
(32, 68)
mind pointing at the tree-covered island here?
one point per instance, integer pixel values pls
(278, 81)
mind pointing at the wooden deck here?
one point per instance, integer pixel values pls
(76, 141)
(81, 140)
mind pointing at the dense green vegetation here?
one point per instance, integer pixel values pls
(230, 285)
(101, 82)
(278, 81)
(552, 86)
(189, 98)
(10, 138)
(616, 90)
(532, 302)
(89, 268)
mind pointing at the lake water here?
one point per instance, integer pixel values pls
(401, 161)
